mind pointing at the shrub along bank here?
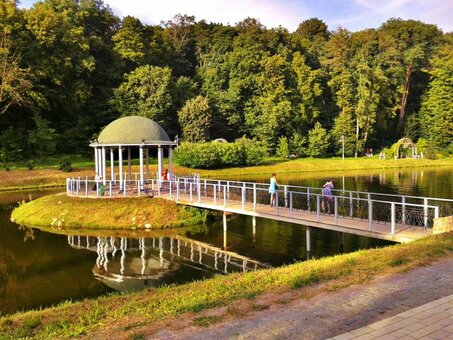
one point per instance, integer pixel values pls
(60, 211)
(136, 313)
(212, 155)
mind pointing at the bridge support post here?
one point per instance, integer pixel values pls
(224, 231)
(370, 215)
(254, 228)
(307, 237)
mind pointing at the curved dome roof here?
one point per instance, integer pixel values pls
(133, 130)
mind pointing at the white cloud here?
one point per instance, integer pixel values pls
(372, 13)
(270, 13)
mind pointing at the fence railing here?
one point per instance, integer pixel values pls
(289, 199)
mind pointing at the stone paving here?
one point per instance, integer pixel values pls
(351, 310)
(433, 320)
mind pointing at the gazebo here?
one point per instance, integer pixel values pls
(126, 133)
(403, 145)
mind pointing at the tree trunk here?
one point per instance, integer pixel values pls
(356, 138)
(404, 97)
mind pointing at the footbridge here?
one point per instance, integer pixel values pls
(399, 218)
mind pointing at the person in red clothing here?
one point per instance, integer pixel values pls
(165, 175)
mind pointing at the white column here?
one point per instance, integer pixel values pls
(120, 165)
(170, 163)
(112, 165)
(307, 237)
(147, 162)
(141, 167)
(129, 162)
(96, 166)
(159, 162)
(103, 165)
(99, 162)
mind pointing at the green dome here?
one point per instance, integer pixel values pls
(133, 130)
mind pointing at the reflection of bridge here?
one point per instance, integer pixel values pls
(399, 218)
(147, 261)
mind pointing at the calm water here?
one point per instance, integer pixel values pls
(38, 268)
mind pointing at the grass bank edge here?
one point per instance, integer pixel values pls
(129, 312)
(58, 211)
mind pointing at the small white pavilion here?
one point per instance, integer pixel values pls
(126, 133)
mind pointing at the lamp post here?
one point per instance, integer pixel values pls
(342, 146)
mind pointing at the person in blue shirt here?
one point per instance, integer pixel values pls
(273, 187)
(327, 195)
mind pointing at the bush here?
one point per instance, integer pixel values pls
(30, 164)
(283, 147)
(216, 155)
(65, 165)
(318, 141)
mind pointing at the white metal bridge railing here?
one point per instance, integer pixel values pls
(289, 199)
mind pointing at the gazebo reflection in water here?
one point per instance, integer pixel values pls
(127, 264)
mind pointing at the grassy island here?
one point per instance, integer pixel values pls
(58, 211)
(135, 315)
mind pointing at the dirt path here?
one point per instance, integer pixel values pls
(323, 316)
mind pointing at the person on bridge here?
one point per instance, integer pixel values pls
(327, 195)
(273, 187)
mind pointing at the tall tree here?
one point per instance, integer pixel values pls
(131, 42)
(180, 31)
(415, 42)
(15, 81)
(195, 119)
(313, 29)
(437, 107)
(146, 92)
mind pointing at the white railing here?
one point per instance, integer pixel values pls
(249, 196)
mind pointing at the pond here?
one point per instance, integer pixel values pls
(40, 268)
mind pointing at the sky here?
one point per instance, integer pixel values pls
(351, 14)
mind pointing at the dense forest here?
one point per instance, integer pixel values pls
(69, 67)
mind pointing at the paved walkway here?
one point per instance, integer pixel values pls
(433, 320)
(351, 310)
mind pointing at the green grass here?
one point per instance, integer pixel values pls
(206, 321)
(315, 165)
(59, 211)
(120, 315)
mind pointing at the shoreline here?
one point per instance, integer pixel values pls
(142, 313)
(20, 180)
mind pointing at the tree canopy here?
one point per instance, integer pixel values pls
(68, 68)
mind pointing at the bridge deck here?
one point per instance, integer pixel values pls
(403, 233)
